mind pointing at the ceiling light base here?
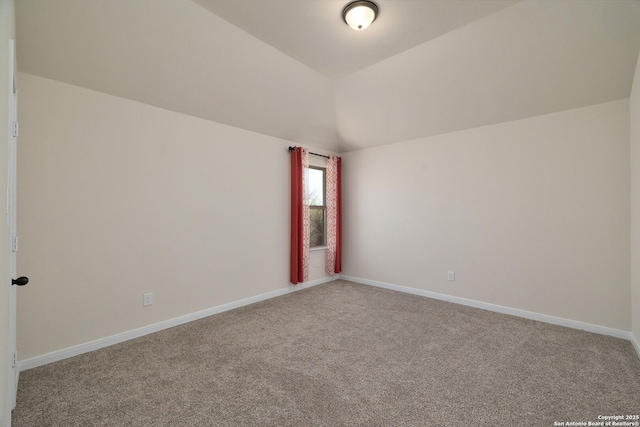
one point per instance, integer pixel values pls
(360, 14)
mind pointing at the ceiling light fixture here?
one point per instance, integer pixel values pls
(360, 14)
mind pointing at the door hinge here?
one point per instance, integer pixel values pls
(14, 245)
(14, 359)
(15, 129)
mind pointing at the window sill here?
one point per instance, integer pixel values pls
(318, 249)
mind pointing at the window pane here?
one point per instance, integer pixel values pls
(317, 227)
(316, 183)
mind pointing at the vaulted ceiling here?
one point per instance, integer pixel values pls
(314, 33)
(292, 69)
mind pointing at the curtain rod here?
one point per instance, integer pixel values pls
(315, 154)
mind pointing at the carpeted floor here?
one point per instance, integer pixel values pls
(341, 354)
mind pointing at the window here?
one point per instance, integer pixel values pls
(317, 206)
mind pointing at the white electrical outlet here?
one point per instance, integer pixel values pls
(451, 276)
(147, 299)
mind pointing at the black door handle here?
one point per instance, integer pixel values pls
(20, 281)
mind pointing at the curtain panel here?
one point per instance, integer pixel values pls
(300, 221)
(333, 263)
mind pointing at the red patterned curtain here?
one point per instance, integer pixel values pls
(334, 215)
(300, 223)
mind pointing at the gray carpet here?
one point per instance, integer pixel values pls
(341, 354)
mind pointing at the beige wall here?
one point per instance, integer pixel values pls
(119, 198)
(530, 214)
(635, 205)
(7, 31)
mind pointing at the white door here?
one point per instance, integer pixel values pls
(11, 222)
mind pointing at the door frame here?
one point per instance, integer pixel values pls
(14, 370)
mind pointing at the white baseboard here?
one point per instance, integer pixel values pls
(502, 309)
(636, 344)
(156, 327)
(135, 333)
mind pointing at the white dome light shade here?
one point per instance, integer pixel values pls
(360, 14)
